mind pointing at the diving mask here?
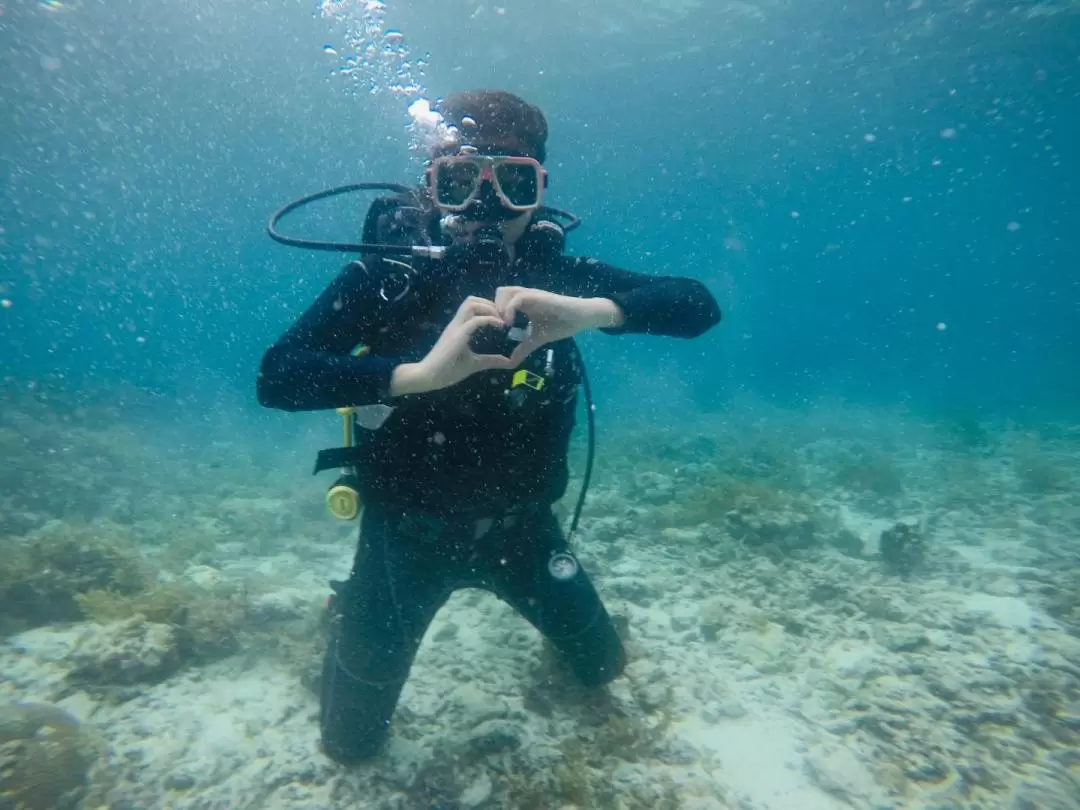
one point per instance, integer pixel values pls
(457, 181)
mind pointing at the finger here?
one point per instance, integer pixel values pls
(479, 306)
(477, 301)
(476, 321)
(473, 306)
(518, 303)
(503, 296)
(490, 362)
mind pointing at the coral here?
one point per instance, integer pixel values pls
(580, 778)
(216, 620)
(46, 571)
(127, 652)
(207, 622)
(759, 517)
(713, 498)
(45, 758)
(777, 532)
(66, 573)
(869, 471)
(631, 737)
(758, 453)
(192, 542)
(903, 548)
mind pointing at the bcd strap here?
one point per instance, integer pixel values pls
(404, 220)
(411, 219)
(335, 458)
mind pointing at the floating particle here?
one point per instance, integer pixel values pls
(1013, 226)
(869, 137)
(393, 36)
(52, 5)
(941, 327)
(948, 133)
(795, 215)
(140, 340)
(6, 303)
(329, 50)
(906, 199)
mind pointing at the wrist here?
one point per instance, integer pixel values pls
(606, 314)
(408, 378)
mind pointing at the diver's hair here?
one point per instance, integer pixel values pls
(498, 114)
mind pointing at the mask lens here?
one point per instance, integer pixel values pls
(455, 181)
(520, 182)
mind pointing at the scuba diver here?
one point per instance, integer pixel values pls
(466, 309)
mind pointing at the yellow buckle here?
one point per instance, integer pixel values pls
(528, 379)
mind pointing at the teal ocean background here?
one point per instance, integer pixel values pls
(844, 180)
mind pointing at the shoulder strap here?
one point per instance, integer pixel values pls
(544, 240)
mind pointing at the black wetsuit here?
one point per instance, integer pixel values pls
(457, 484)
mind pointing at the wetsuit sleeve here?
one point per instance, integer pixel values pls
(311, 367)
(657, 305)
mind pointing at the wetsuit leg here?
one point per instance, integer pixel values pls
(384, 609)
(568, 612)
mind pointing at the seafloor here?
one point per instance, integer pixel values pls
(844, 608)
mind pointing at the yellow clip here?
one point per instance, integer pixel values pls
(527, 378)
(346, 415)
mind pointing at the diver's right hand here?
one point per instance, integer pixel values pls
(451, 360)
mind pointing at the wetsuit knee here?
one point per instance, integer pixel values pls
(351, 747)
(598, 664)
(355, 714)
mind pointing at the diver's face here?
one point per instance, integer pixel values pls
(483, 185)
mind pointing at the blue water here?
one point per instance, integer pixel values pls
(847, 182)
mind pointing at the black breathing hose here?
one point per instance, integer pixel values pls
(337, 247)
(590, 453)
(571, 221)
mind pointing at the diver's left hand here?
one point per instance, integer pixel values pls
(552, 316)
